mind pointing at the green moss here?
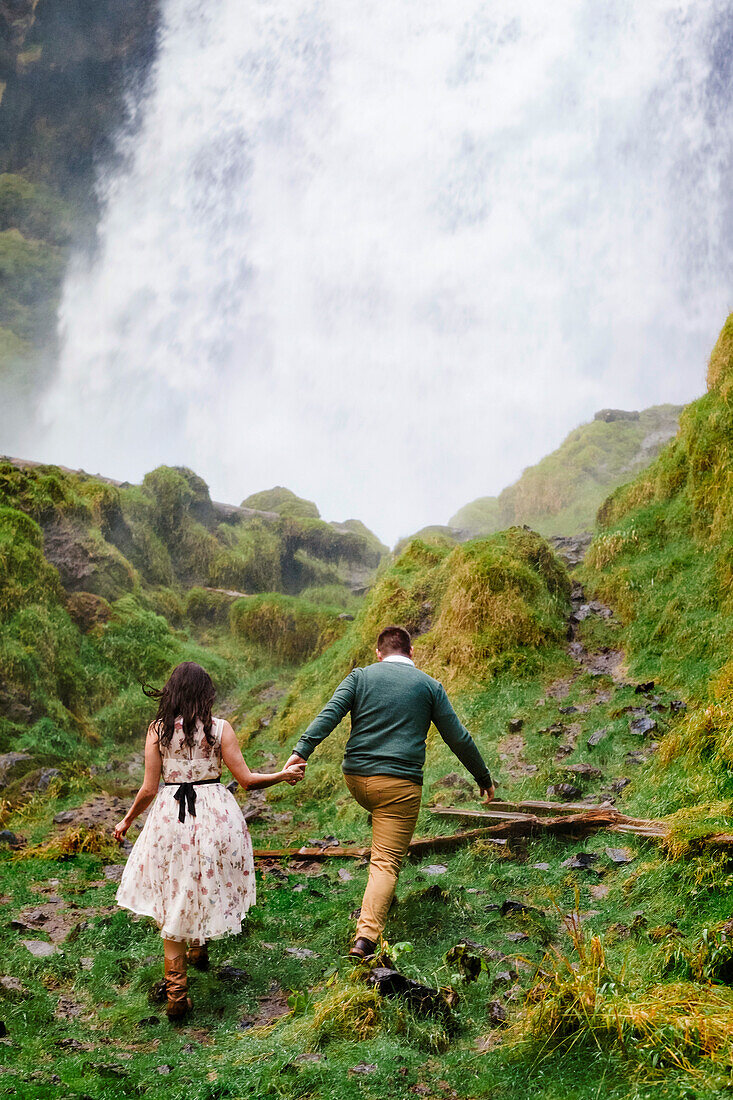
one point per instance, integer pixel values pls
(284, 502)
(288, 628)
(25, 576)
(30, 273)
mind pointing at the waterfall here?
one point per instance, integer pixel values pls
(388, 253)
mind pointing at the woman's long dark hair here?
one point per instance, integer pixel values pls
(188, 694)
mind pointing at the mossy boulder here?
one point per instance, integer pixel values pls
(284, 502)
(85, 561)
(288, 628)
(88, 610)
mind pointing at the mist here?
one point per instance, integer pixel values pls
(388, 255)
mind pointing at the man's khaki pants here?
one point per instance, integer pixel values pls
(394, 805)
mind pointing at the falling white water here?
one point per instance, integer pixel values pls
(387, 253)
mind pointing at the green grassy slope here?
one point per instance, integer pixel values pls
(561, 494)
(664, 557)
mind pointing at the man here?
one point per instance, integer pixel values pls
(392, 705)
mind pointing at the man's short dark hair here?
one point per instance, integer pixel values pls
(394, 639)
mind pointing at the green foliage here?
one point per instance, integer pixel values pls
(29, 277)
(284, 502)
(25, 575)
(288, 628)
(205, 607)
(33, 210)
(248, 558)
(561, 494)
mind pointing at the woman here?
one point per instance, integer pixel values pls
(191, 869)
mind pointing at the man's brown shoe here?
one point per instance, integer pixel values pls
(362, 949)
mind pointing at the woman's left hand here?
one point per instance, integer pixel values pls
(293, 773)
(120, 829)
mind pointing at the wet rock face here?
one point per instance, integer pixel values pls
(66, 64)
(85, 563)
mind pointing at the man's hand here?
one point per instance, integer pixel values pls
(293, 773)
(294, 758)
(487, 794)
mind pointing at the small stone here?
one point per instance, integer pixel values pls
(642, 726)
(497, 1014)
(363, 1067)
(581, 861)
(515, 725)
(586, 770)
(677, 706)
(301, 953)
(541, 866)
(163, 1070)
(619, 784)
(46, 777)
(308, 1058)
(564, 791)
(619, 855)
(114, 872)
(599, 891)
(40, 949)
(516, 937)
(7, 837)
(299, 888)
(344, 875)
(10, 984)
(148, 1021)
(86, 963)
(228, 973)
(644, 689)
(435, 869)
(568, 710)
(596, 738)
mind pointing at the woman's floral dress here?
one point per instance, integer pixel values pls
(195, 878)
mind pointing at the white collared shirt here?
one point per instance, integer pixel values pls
(399, 657)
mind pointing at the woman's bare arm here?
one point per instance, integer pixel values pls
(149, 789)
(232, 757)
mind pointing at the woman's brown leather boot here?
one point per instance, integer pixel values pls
(176, 987)
(198, 956)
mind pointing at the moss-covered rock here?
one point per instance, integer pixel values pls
(284, 502)
(288, 628)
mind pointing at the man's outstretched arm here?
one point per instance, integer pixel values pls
(335, 709)
(460, 742)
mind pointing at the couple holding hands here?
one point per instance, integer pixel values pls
(192, 870)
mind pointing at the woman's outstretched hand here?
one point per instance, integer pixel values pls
(120, 829)
(293, 773)
(487, 794)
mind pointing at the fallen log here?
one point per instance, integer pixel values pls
(517, 822)
(418, 847)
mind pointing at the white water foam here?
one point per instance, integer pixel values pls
(387, 253)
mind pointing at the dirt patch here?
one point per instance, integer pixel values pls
(511, 754)
(273, 1006)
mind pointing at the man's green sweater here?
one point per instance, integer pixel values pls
(392, 704)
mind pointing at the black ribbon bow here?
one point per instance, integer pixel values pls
(186, 796)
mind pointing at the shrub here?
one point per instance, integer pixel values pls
(288, 628)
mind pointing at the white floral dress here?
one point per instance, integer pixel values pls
(195, 877)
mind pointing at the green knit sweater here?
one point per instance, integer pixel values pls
(392, 705)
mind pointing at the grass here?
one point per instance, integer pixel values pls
(561, 494)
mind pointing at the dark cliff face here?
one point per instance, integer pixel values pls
(67, 66)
